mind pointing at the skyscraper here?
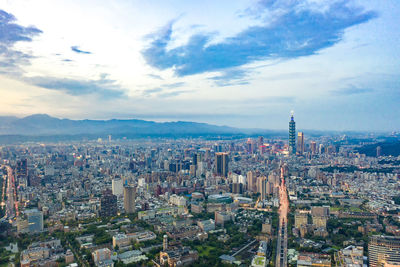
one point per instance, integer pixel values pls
(384, 251)
(300, 143)
(378, 151)
(313, 147)
(22, 168)
(117, 186)
(251, 181)
(292, 135)
(262, 186)
(221, 164)
(129, 198)
(108, 204)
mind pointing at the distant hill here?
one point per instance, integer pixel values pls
(391, 148)
(44, 127)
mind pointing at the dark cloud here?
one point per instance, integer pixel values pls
(352, 90)
(104, 87)
(79, 51)
(11, 33)
(296, 32)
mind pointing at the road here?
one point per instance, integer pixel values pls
(244, 247)
(11, 203)
(281, 248)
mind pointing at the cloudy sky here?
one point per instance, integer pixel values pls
(238, 63)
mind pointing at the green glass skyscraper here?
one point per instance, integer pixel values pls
(292, 135)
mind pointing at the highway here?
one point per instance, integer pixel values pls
(281, 247)
(11, 204)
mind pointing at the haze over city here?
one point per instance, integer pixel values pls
(237, 63)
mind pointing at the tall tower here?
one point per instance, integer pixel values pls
(378, 151)
(129, 198)
(165, 243)
(292, 135)
(221, 164)
(108, 204)
(313, 146)
(262, 186)
(300, 143)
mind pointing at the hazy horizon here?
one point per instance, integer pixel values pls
(216, 124)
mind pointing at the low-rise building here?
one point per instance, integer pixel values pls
(206, 225)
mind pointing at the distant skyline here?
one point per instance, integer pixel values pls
(244, 64)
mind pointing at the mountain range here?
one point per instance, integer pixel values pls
(45, 125)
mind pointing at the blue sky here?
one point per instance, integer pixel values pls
(237, 63)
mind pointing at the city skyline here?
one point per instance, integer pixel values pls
(243, 64)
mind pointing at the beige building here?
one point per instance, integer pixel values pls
(129, 199)
(300, 218)
(384, 251)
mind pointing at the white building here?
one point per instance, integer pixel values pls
(117, 187)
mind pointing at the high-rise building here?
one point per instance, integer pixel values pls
(194, 159)
(300, 143)
(35, 220)
(378, 151)
(108, 204)
(262, 187)
(22, 168)
(384, 251)
(129, 198)
(252, 181)
(313, 147)
(165, 243)
(260, 140)
(117, 187)
(221, 164)
(236, 188)
(250, 146)
(321, 149)
(292, 135)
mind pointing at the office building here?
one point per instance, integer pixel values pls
(313, 147)
(384, 251)
(221, 164)
(262, 187)
(108, 204)
(129, 198)
(117, 187)
(292, 135)
(300, 143)
(252, 181)
(378, 151)
(22, 168)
